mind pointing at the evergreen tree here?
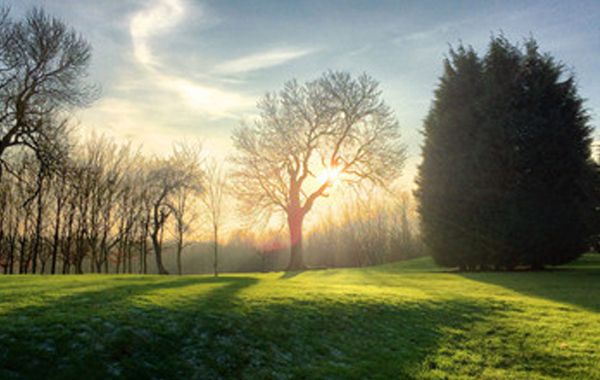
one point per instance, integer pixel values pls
(507, 177)
(447, 171)
(595, 217)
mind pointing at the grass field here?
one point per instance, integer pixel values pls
(405, 320)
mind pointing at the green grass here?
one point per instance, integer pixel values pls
(405, 320)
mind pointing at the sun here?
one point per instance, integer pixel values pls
(330, 175)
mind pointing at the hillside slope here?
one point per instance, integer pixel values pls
(404, 320)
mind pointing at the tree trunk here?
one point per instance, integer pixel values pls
(179, 249)
(105, 260)
(92, 259)
(99, 265)
(22, 252)
(143, 251)
(79, 253)
(156, 244)
(216, 250)
(122, 257)
(295, 220)
(38, 229)
(3, 238)
(11, 257)
(129, 260)
(66, 242)
(79, 266)
(55, 241)
(104, 249)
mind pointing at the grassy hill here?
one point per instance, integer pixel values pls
(405, 320)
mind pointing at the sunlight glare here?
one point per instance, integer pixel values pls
(330, 175)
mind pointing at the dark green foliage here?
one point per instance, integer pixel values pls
(507, 177)
(595, 219)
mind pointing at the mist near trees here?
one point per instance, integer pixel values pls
(507, 178)
(109, 209)
(335, 124)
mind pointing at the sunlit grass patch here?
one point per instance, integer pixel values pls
(404, 320)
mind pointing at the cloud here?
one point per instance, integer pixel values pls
(159, 18)
(437, 32)
(154, 20)
(213, 100)
(259, 61)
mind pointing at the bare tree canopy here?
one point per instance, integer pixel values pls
(337, 125)
(166, 178)
(43, 67)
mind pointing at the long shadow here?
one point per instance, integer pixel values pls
(77, 335)
(207, 331)
(290, 274)
(577, 285)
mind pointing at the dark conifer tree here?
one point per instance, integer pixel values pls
(595, 217)
(507, 177)
(448, 170)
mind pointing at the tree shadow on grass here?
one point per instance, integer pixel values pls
(208, 331)
(203, 328)
(579, 287)
(75, 336)
(290, 274)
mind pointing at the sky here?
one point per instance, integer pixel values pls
(175, 70)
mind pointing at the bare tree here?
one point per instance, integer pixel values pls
(40, 201)
(98, 206)
(336, 127)
(182, 205)
(165, 179)
(213, 202)
(43, 65)
(145, 218)
(367, 229)
(60, 193)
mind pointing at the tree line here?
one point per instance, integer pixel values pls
(66, 203)
(105, 207)
(106, 198)
(507, 178)
(366, 230)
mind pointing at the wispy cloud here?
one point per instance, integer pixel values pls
(440, 31)
(262, 60)
(154, 20)
(158, 18)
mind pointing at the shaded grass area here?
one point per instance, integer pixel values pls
(406, 320)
